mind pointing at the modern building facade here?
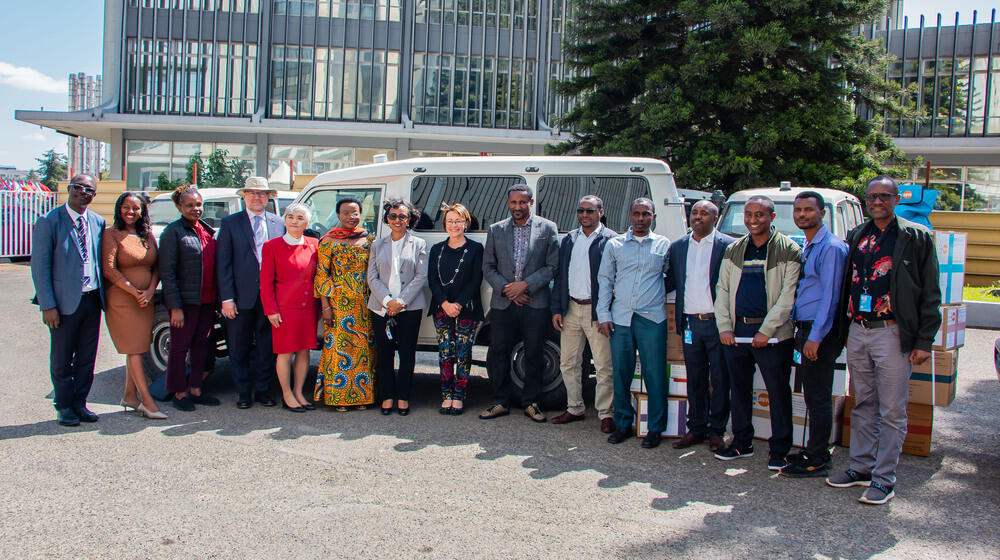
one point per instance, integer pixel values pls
(325, 84)
(84, 155)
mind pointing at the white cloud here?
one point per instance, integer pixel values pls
(35, 137)
(22, 77)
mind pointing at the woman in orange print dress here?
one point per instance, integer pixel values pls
(345, 377)
(287, 270)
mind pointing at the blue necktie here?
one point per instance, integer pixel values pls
(258, 235)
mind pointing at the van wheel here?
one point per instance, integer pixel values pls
(154, 361)
(552, 395)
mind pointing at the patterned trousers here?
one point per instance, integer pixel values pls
(455, 337)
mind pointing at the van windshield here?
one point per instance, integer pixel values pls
(731, 222)
(163, 211)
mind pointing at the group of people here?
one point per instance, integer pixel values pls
(741, 306)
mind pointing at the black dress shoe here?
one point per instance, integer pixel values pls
(243, 401)
(403, 411)
(264, 399)
(292, 408)
(308, 406)
(205, 400)
(67, 417)
(457, 411)
(185, 404)
(444, 410)
(386, 411)
(651, 440)
(619, 436)
(83, 414)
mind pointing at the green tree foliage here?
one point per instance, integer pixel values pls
(51, 168)
(219, 170)
(733, 93)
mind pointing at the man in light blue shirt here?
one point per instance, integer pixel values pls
(823, 259)
(631, 310)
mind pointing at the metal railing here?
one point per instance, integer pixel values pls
(18, 212)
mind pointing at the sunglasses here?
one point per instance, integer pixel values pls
(586, 211)
(884, 197)
(394, 217)
(85, 188)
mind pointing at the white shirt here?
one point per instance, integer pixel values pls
(697, 292)
(395, 283)
(90, 269)
(292, 241)
(579, 262)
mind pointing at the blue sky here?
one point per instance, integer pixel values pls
(46, 40)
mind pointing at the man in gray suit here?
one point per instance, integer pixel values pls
(521, 256)
(66, 271)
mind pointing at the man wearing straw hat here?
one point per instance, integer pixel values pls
(238, 255)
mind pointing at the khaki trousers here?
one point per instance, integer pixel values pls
(578, 329)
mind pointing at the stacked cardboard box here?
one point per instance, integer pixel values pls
(951, 264)
(919, 421)
(676, 415)
(935, 381)
(800, 417)
(951, 335)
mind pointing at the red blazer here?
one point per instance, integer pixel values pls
(286, 275)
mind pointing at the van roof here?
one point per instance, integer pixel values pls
(479, 165)
(779, 195)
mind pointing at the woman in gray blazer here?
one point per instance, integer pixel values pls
(397, 272)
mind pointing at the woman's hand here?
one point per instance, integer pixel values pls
(451, 309)
(177, 318)
(275, 319)
(328, 318)
(145, 297)
(394, 307)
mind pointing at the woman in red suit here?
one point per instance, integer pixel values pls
(287, 268)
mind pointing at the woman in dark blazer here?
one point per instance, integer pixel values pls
(397, 272)
(187, 271)
(455, 276)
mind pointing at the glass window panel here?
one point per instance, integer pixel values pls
(323, 204)
(485, 198)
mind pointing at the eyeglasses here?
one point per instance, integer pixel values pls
(884, 197)
(586, 211)
(85, 188)
(394, 217)
(455, 222)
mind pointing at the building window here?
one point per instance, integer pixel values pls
(189, 77)
(236, 6)
(145, 160)
(498, 14)
(334, 83)
(312, 160)
(473, 91)
(379, 10)
(960, 189)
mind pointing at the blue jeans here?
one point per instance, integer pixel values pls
(651, 340)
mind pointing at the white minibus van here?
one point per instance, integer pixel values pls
(480, 184)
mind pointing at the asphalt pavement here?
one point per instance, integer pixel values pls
(267, 483)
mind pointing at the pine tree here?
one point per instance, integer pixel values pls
(51, 168)
(735, 93)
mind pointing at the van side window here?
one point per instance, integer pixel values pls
(485, 198)
(842, 219)
(323, 204)
(558, 197)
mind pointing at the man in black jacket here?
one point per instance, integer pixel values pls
(891, 297)
(575, 315)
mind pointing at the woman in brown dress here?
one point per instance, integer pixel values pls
(129, 264)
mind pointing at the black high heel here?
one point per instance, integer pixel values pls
(292, 408)
(387, 411)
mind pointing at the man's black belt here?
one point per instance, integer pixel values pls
(874, 324)
(701, 316)
(750, 320)
(580, 301)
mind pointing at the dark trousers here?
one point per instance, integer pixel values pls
(708, 411)
(507, 328)
(817, 387)
(775, 363)
(249, 336)
(392, 384)
(650, 339)
(73, 351)
(190, 343)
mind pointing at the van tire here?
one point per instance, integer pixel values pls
(154, 361)
(552, 395)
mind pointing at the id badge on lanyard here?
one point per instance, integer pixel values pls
(688, 335)
(865, 302)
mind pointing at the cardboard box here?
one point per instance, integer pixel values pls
(951, 335)
(677, 386)
(935, 381)
(675, 343)
(951, 247)
(639, 382)
(800, 418)
(676, 415)
(919, 422)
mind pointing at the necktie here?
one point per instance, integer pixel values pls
(81, 236)
(258, 235)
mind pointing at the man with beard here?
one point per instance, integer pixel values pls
(695, 260)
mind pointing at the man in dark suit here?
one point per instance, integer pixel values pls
(694, 271)
(66, 271)
(574, 314)
(238, 253)
(520, 257)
